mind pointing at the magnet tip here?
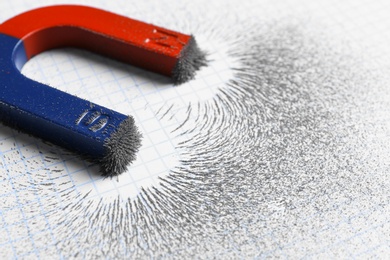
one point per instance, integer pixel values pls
(121, 149)
(192, 58)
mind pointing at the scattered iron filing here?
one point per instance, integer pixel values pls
(99, 134)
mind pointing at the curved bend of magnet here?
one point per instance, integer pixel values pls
(58, 117)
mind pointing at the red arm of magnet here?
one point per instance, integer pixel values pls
(131, 41)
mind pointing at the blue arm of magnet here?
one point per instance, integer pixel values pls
(48, 113)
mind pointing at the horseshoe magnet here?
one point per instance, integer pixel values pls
(105, 136)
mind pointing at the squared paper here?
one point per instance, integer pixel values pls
(352, 227)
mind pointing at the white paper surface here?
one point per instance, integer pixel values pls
(39, 219)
